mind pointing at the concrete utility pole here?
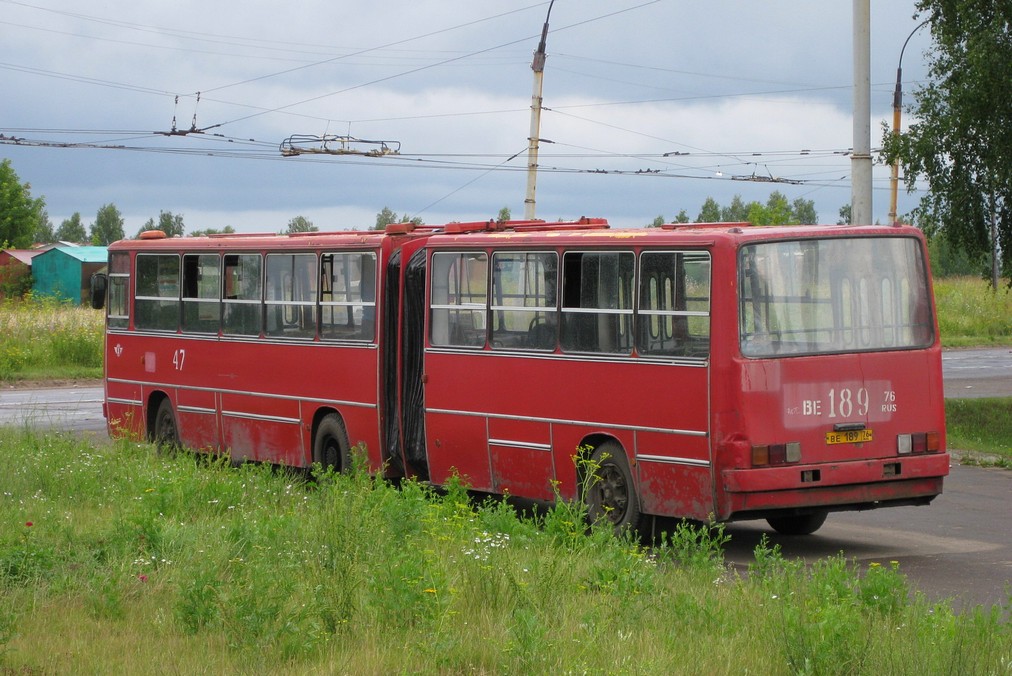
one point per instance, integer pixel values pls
(861, 165)
(538, 66)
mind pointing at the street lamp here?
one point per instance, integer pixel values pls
(897, 107)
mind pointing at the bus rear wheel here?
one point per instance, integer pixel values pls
(610, 493)
(330, 446)
(164, 433)
(798, 524)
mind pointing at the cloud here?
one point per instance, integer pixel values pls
(741, 88)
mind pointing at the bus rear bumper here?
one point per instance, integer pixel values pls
(861, 484)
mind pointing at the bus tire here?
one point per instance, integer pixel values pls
(798, 524)
(165, 432)
(610, 493)
(330, 445)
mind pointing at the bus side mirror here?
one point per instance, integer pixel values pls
(98, 285)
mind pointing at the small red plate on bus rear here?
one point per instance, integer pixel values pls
(848, 437)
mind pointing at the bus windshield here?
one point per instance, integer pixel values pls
(819, 296)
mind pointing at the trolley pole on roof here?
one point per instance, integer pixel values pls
(538, 66)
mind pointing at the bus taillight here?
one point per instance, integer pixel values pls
(776, 454)
(922, 442)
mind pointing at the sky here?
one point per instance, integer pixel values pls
(649, 107)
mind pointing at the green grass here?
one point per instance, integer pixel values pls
(970, 314)
(115, 559)
(47, 340)
(983, 425)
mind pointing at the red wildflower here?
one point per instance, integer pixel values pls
(28, 524)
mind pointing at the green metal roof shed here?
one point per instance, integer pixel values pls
(65, 271)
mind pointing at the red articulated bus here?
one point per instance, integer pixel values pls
(713, 372)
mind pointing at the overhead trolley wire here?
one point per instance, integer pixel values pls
(420, 68)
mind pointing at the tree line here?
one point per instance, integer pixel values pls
(24, 220)
(777, 210)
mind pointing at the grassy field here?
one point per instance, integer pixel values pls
(970, 314)
(115, 559)
(981, 425)
(46, 340)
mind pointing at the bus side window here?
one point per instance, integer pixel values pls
(347, 296)
(458, 299)
(290, 299)
(118, 306)
(201, 307)
(241, 294)
(674, 304)
(156, 300)
(597, 307)
(524, 313)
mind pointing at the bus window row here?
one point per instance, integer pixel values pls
(598, 302)
(284, 295)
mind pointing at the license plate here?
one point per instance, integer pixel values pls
(848, 437)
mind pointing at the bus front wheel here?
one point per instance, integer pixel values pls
(798, 524)
(610, 493)
(330, 447)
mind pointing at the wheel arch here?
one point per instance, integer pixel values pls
(319, 416)
(585, 451)
(155, 400)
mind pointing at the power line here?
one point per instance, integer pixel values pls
(373, 49)
(262, 150)
(675, 164)
(433, 65)
(230, 40)
(84, 79)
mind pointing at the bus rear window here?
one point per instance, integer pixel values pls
(833, 295)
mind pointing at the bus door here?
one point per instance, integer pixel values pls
(412, 409)
(463, 380)
(390, 345)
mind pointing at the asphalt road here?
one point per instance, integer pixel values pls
(76, 409)
(959, 548)
(977, 372)
(967, 373)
